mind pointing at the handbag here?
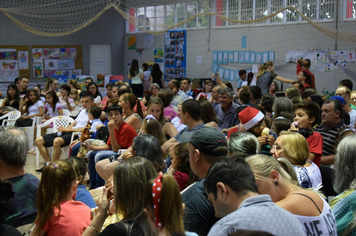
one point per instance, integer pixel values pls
(85, 134)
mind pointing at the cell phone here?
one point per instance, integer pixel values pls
(214, 77)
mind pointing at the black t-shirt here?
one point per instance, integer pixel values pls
(122, 229)
(7, 230)
(14, 104)
(23, 92)
(199, 214)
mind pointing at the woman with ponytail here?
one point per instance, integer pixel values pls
(128, 101)
(57, 212)
(266, 75)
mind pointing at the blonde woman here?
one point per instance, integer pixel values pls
(293, 94)
(312, 211)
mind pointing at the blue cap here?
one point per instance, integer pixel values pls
(339, 98)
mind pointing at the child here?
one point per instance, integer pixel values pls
(94, 115)
(30, 107)
(82, 193)
(242, 74)
(176, 120)
(52, 107)
(208, 86)
(57, 213)
(180, 167)
(151, 126)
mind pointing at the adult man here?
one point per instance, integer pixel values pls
(14, 147)
(207, 145)
(231, 188)
(87, 81)
(185, 86)
(23, 86)
(256, 95)
(178, 95)
(345, 92)
(63, 137)
(215, 94)
(191, 117)
(226, 110)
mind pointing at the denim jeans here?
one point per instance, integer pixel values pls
(94, 157)
(75, 149)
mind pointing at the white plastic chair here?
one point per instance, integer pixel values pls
(10, 118)
(66, 112)
(30, 131)
(58, 121)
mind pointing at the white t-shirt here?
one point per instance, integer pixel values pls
(177, 124)
(64, 104)
(97, 100)
(50, 111)
(314, 175)
(35, 109)
(82, 119)
(137, 79)
(352, 115)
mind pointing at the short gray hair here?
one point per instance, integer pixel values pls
(227, 91)
(345, 165)
(243, 144)
(14, 146)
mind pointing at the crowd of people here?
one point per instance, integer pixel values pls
(176, 161)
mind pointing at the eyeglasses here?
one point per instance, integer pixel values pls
(258, 125)
(353, 99)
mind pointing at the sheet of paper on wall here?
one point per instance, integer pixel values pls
(241, 57)
(215, 56)
(49, 73)
(225, 57)
(23, 60)
(149, 41)
(221, 72)
(51, 64)
(258, 58)
(322, 56)
(8, 75)
(227, 74)
(50, 53)
(232, 75)
(231, 56)
(66, 64)
(236, 56)
(271, 56)
(325, 67)
(77, 72)
(264, 57)
(220, 57)
(247, 57)
(7, 54)
(252, 57)
(37, 70)
(334, 55)
(37, 56)
(292, 56)
(9, 65)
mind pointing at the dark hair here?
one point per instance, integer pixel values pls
(242, 72)
(55, 98)
(131, 98)
(281, 124)
(307, 93)
(317, 99)
(89, 78)
(17, 95)
(115, 108)
(256, 92)
(308, 79)
(80, 167)
(300, 84)
(134, 70)
(233, 172)
(348, 83)
(181, 152)
(345, 116)
(175, 83)
(279, 94)
(6, 194)
(275, 85)
(95, 111)
(123, 89)
(229, 85)
(29, 103)
(16, 80)
(166, 95)
(109, 85)
(147, 146)
(39, 86)
(193, 108)
(207, 112)
(156, 72)
(66, 87)
(97, 93)
(249, 78)
(311, 108)
(244, 96)
(267, 102)
(145, 66)
(337, 105)
(87, 94)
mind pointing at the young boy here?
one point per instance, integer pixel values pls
(306, 115)
(242, 74)
(121, 136)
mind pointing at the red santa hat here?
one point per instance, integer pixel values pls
(250, 117)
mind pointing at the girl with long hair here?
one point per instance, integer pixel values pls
(57, 212)
(127, 101)
(266, 75)
(52, 107)
(157, 75)
(136, 77)
(273, 88)
(30, 107)
(208, 86)
(305, 79)
(12, 99)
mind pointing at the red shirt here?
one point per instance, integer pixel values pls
(124, 135)
(181, 178)
(300, 68)
(315, 143)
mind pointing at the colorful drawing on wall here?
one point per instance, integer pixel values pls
(9, 65)
(131, 42)
(334, 55)
(23, 60)
(7, 54)
(50, 53)
(325, 67)
(158, 55)
(140, 54)
(68, 53)
(67, 64)
(77, 72)
(322, 56)
(37, 70)
(37, 55)
(100, 78)
(49, 73)
(62, 79)
(51, 64)
(149, 41)
(68, 73)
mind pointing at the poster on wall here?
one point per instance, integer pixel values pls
(175, 54)
(131, 42)
(149, 41)
(37, 70)
(23, 60)
(158, 55)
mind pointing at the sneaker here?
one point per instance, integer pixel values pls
(41, 169)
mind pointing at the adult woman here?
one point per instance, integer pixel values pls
(273, 88)
(283, 107)
(307, 206)
(136, 77)
(208, 114)
(305, 79)
(155, 108)
(104, 102)
(294, 147)
(128, 101)
(243, 144)
(208, 86)
(73, 84)
(343, 205)
(166, 95)
(12, 99)
(65, 100)
(78, 105)
(154, 89)
(31, 107)
(39, 91)
(130, 176)
(293, 94)
(93, 88)
(157, 75)
(51, 85)
(266, 75)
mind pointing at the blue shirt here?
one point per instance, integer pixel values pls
(228, 119)
(84, 196)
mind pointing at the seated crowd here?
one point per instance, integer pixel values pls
(181, 162)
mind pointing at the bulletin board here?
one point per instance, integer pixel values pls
(175, 42)
(56, 61)
(14, 62)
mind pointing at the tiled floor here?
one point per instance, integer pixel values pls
(30, 166)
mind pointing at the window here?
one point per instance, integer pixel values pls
(349, 10)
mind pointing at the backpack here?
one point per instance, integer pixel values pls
(103, 133)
